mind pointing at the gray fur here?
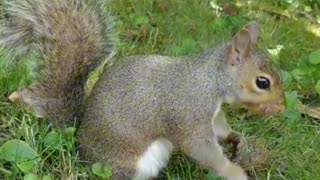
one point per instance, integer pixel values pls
(142, 98)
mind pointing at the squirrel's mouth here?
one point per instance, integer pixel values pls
(267, 108)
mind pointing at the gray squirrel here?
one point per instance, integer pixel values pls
(144, 107)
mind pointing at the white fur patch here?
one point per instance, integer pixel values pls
(153, 159)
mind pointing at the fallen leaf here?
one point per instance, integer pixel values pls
(230, 9)
(138, 33)
(143, 30)
(257, 158)
(163, 5)
(310, 111)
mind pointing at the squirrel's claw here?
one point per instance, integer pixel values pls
(237, 142)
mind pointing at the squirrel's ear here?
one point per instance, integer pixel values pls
(242, 42)
(253, 30)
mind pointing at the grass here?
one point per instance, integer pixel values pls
(176, 28)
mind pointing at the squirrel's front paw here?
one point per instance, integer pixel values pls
(237, 142)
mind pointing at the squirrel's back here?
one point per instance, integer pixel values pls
(140, 98)
(72, 37)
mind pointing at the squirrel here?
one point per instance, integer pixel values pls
(143, 107)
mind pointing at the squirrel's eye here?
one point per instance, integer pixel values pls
(263, 83)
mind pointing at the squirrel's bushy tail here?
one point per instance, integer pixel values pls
(72, 37)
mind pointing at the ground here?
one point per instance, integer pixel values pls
(286, 146)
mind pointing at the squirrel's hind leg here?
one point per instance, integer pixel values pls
(142, 166)
(29, 97)
(154, 158)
